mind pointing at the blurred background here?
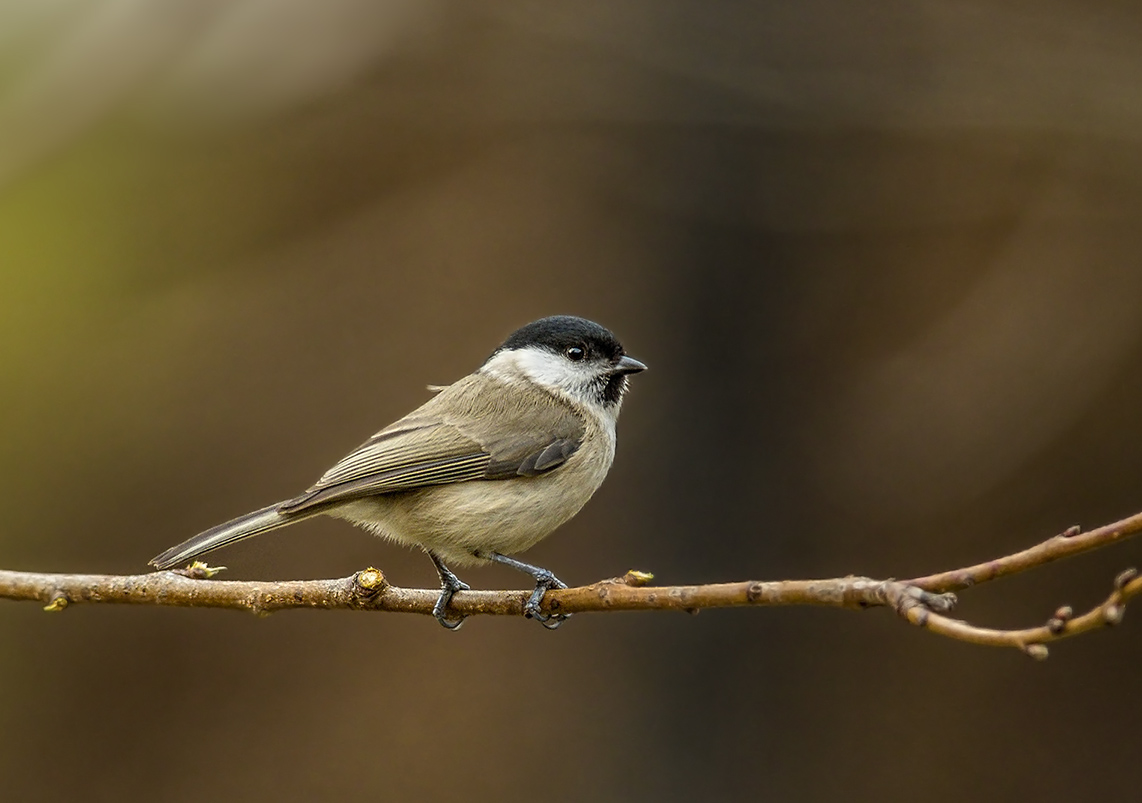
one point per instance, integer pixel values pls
(883, 261)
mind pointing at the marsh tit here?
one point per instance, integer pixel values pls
(484, 469)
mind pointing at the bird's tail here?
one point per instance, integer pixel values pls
(256, 523)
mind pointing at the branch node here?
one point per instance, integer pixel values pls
(944, 603)
(755, 591)
(1112, 613)
(915, 604)
(57, 602)
(636, 578)
(257, 606)
(370, 581)
(1072, 531)
(1124, 577)
(1057, 624)
(1037, 651)
(199, 571)
(939, 603)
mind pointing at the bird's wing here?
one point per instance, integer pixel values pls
(422, 450)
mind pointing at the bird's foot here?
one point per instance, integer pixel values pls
(440, 609)
(544, 581)
(449, 585)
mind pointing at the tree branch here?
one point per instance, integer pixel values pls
(922, 601)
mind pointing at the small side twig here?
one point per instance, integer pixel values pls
(1034, 640)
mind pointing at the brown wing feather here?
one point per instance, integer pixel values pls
(432, 447)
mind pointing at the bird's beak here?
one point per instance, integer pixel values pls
(629, 365)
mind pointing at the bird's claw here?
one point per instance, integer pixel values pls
(448, 587)
(531, 608)
(450, 624)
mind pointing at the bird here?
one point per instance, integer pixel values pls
(485, 469)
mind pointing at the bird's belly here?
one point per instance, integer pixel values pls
(459, 520)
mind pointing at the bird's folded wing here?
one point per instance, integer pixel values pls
(397, 459)
(413, 454)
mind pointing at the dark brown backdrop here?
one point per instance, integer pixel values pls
(883, 260)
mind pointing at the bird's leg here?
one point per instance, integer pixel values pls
(544, 580)
(449, 585)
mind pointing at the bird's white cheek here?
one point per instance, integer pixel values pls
(541, 366)
(577, 382)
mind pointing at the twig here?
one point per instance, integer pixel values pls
(1071, 541)
(1032, 640)
(923, 601)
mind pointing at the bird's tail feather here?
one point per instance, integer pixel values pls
(256, 523)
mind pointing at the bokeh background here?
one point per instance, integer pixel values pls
(883, 261)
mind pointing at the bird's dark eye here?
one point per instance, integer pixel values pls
(575, 353)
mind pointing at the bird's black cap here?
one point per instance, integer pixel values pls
(560, 332)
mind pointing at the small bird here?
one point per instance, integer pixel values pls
(486, 468)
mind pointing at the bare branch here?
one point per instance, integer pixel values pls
(922, 601)
(1033, 640)
(369, 590)
(1071, 541)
